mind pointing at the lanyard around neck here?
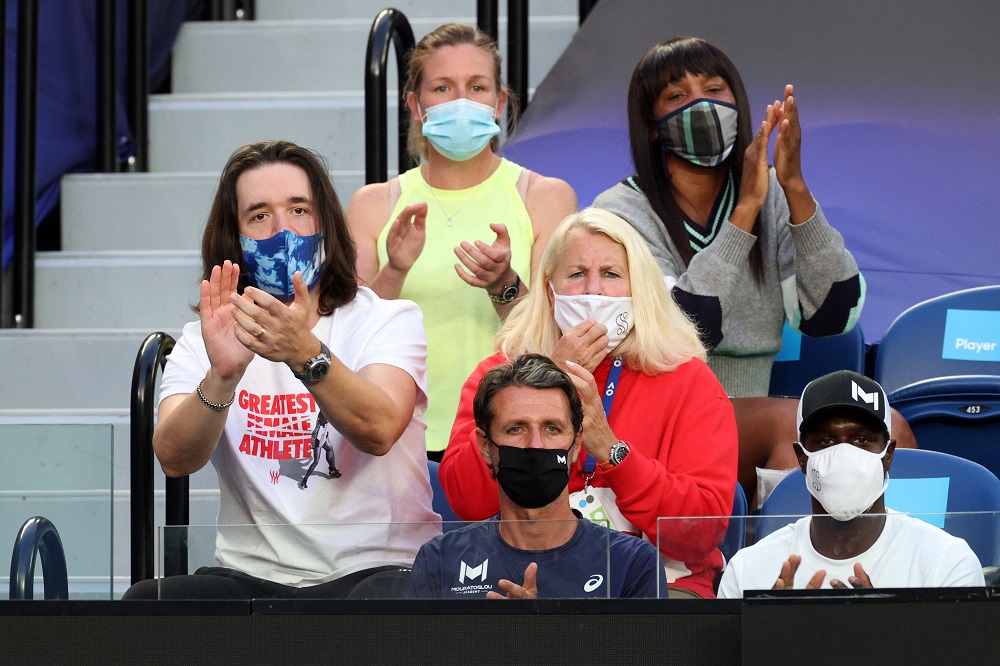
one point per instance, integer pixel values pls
(609, 396)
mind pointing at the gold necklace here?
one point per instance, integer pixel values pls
(449, 218)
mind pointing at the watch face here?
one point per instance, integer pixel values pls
(509, 294)
(618, 453)
(318, 370)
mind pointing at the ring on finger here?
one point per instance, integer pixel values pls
(260, 333)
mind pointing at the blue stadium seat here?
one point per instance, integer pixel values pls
(439, 501)
(921, 482)
(939, 364)
(736, 533)
(803, 359)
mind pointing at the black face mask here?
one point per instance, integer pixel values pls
(532, 478)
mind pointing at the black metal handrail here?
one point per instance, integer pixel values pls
(38, 536)
(517, 47)
(107, 86)
(150, 360)
(487, 19)
(23, 306)
(390, 26)
(138, 84)
(517, 56)
(232, 10)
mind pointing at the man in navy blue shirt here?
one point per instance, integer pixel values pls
(529, 424)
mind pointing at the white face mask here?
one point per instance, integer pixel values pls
(615, 312)
(846, 479)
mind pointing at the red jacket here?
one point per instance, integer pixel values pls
(681, 431)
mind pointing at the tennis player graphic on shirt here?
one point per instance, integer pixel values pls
(321, 441)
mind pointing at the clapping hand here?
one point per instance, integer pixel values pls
(220, 330)
(488, 266)
(786, 579)
(272, 329)
(406, 237)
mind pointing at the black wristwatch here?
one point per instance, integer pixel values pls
(618, 453)
(315, 368)
(509, 292)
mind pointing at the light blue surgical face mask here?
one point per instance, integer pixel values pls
(702, 132)
(459, 129)
(271, 263)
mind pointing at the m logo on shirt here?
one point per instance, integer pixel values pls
(470, 574)
(859, 395)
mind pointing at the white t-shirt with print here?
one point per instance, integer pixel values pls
(908, 553)
(335, 525)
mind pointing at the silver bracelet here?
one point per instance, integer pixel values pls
(218, 407)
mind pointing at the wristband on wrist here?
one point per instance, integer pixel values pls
(214, 406)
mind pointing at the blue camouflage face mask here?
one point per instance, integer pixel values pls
(702, 132)
(271, 263)
(459, 129)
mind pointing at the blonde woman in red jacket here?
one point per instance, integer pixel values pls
(659, 429)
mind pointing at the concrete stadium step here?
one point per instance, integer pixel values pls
(199, 132)
(446, 9)
(315, 55)
(148, 211)
(135, 289)
(84, 371)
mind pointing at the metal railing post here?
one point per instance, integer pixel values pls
(389, 26)
(107, 86)
(138, 84)
(487, 18)
(150, 359)
(24, 164)
(517, 54)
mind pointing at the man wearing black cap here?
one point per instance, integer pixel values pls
(846, 448)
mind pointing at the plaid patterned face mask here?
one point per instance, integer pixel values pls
(702, 132)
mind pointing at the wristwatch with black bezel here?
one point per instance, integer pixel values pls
(509, 292)
(618, 453)
(315, 368)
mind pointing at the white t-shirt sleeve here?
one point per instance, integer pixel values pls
(399, 340)
(959, 567)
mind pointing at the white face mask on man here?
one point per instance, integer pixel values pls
(615, 312)
(845, 479)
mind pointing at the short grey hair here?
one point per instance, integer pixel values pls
(526, 371)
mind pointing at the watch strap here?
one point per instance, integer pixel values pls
(323, 356)
(509, 291)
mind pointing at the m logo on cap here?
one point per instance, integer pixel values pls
(859, 395)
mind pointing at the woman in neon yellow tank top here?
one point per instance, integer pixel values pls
(467, 226)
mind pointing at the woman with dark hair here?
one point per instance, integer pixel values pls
(287, 339)
(743, 246)
(458, 235)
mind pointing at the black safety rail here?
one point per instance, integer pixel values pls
(19, 310)
(150, 360)
(230, 10)
(517, 46)
(38, 537)
(389, 27)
